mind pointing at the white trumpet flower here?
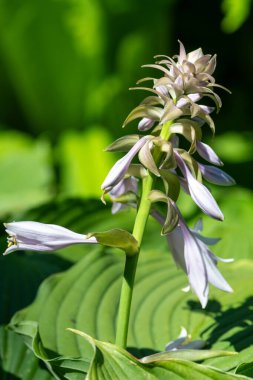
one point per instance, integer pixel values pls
(35, 236)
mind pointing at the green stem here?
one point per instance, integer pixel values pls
(131, 265)
(132, 261)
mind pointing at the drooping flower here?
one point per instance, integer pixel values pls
(35, 236)
(118, 171)
(191, 253)
(199, 193)
(216, 175)
(206, 152)
(126, 188)
(196, 259)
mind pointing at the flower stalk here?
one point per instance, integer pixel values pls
(132, 261)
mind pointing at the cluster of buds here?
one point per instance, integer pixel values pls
(173, 109)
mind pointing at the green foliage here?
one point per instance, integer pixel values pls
(234, 147)
(236, 12)
(112, 362)
(60, 367)
(25, 171)
(36, 39)
(21, 365)
(245, 369)
(79, 150)
(85, 297)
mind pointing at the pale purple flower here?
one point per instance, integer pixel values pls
(184, 342)
(206, 152)
(191, 253)
(126, 185)
(145, 124)
(35, 236)
(196, 259)
(216, 175)
(199, 193)
(118, 171)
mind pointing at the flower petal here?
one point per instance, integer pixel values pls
(195, 266)
(117, 172)
(199, 193)
(145, 124)
(213, 274)
(216, 175)
(174, 344)
(206, 152)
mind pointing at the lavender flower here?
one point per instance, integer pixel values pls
(145, 124)
(216, 175)
(199, 193)
(206, 152)
(184, 342)
(35, 236)
(195, 258)
(118, 171)
(125, 187)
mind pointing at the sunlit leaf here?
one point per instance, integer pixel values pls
(83, 162)
(110, 360)
(236, 12)
(86, 296)
(25, 171)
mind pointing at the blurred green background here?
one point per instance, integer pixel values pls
(65, 70)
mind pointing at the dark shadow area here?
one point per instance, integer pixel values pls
(8, 376)
(141, 352)
(20, 277)
(236, 323)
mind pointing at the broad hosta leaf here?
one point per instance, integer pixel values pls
(86, 296)
(20, 276)
(245, 369)
(59, 367)
(112, 362)
(17, 360)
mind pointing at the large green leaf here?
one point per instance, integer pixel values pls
(59, 367)
(112, 362)
(86, 296)
(24, 166)
(17, 361)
